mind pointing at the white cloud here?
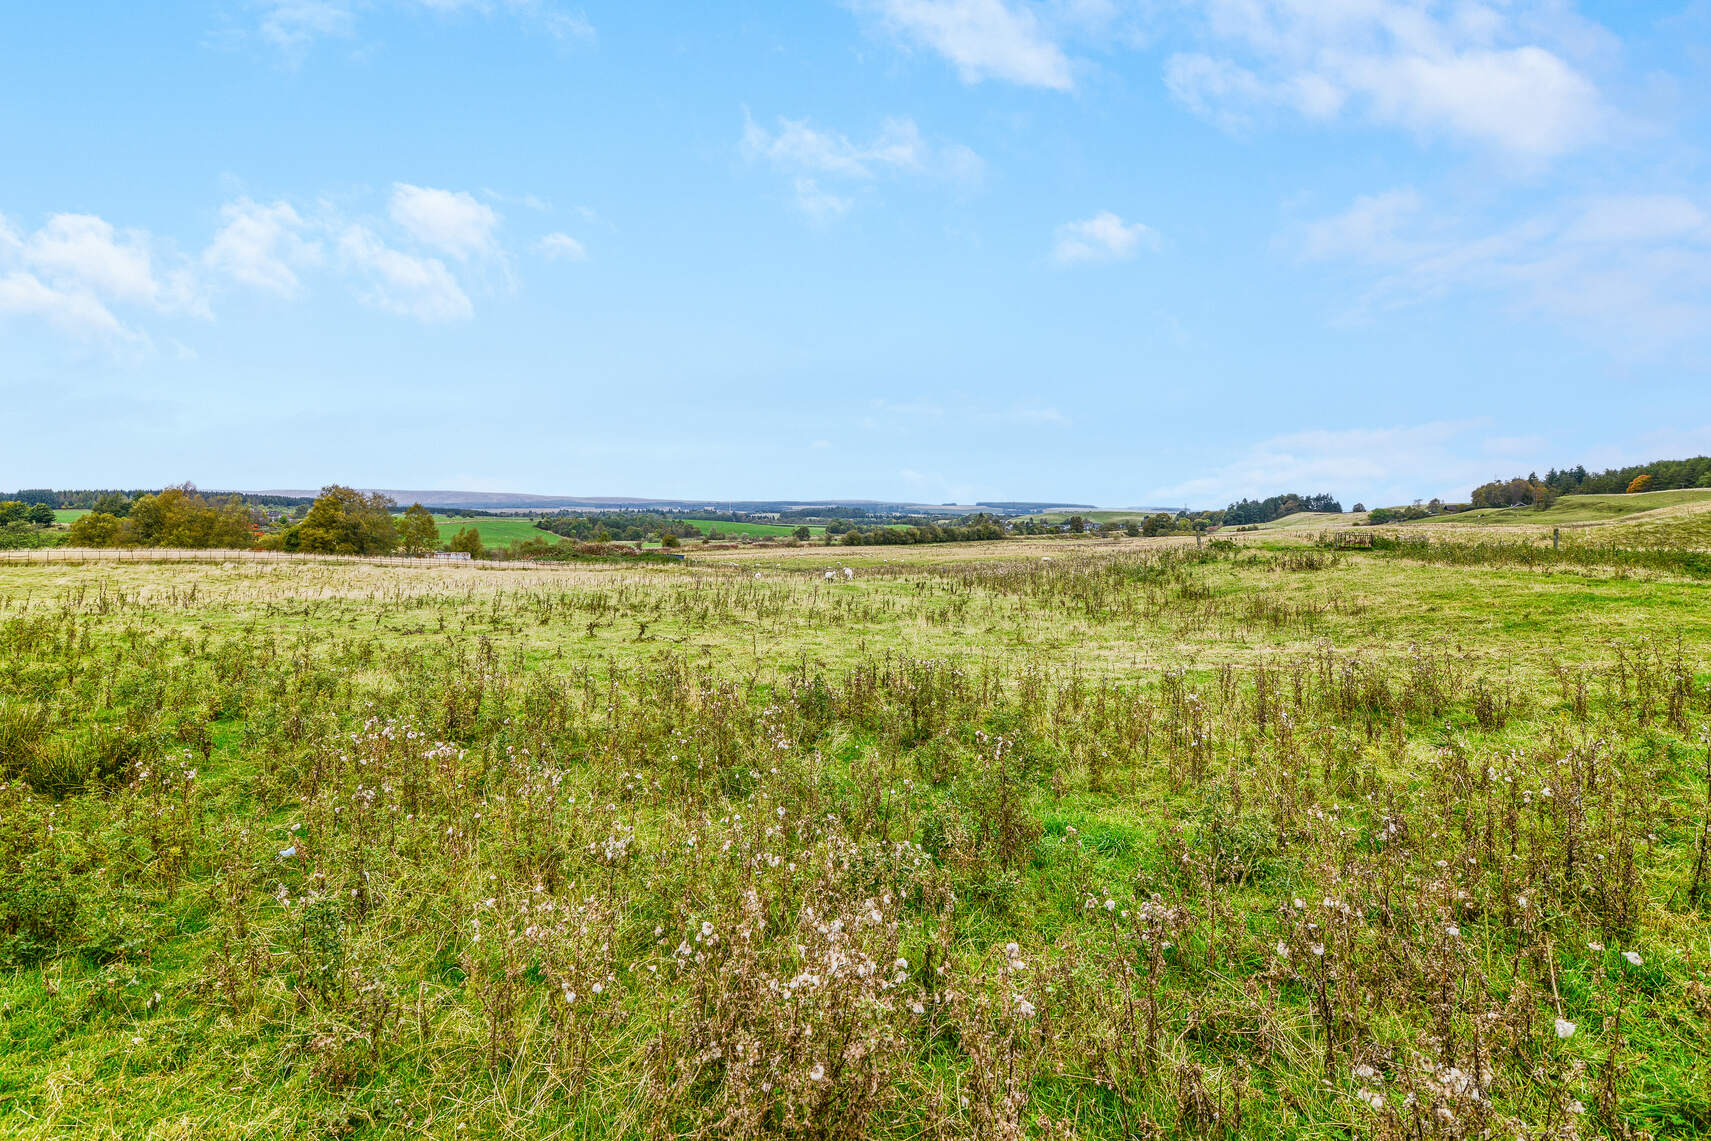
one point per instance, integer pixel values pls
(293, 26)
(561, 247)
(1470, 71)
(797, 146)
(452, 222)
(84, 250)
(983, 39)
(79, 314)
(1103, 237)
(820, 205)
(90, 280)
(1640, 218)
(262, 246)
(1633, 269)
(1370, 230)
(72, 271)
(814, 157)
(1377, 466)
(401, 283)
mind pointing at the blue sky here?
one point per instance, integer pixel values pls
(1106, 251)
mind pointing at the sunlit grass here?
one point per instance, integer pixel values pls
(1045, 838)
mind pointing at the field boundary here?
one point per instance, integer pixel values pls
(79, 556)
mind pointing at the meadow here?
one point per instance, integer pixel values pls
(1055, 839)
(1581, 509)
(496, 531)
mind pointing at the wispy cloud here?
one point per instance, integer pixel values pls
(982, 39)
(561, 247)
(1380, 466)
(402, 283)
(1629, 269)
(1479, 73)
(1103, 237)
(825, 167)
(263, 246)
(294, 26)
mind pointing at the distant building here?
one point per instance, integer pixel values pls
(454, 556)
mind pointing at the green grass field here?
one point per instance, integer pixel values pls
(1570, 509)
(1687, 526)
(1021, 839)
(496, 531)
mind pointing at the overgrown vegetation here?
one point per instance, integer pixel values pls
(1186, 844)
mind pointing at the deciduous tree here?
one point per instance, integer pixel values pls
(416, 531)
(468, 540)
(344, 521)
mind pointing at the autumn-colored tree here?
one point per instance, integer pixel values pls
(182, 517)
(344, 521)
(416, 531)
(1641, 482)
(97, 529)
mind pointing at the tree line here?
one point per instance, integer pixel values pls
(24, 524)
(974, 528)
(174, 517)
(1245, 512)
(1531, 490)
(339, 521)
(619, 527)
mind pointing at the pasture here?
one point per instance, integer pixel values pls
(1019, 839)
(1579, 509)
(496, 531)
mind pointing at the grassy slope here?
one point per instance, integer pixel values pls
(1312, 521)
(1686, 525)
(1576, 509)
